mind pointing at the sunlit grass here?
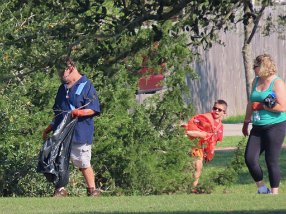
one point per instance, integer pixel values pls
(245, 183)
(217, 203)
(234, 119)
(239, 197)
(230, 141)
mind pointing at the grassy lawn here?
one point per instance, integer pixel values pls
(245, 184)
(230, 141)
(234, 119)
(238, 198)
(217, 203)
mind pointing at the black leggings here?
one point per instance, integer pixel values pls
(268, 138)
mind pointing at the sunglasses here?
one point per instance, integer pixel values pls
(218, 109)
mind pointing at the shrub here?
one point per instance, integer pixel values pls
(230, 174)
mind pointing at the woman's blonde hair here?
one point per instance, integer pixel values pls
(266, 65)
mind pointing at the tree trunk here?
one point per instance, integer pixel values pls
(247, 50)
(248, 65)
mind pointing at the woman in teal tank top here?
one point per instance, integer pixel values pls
(266, 110)
(263, 116)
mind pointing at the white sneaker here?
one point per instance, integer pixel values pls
(264, 190)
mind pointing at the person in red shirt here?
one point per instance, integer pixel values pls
(208, 128)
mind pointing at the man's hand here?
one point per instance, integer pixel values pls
(257, 106)
(47, 131)
(78, 113)
(82, 112)
(245, 128)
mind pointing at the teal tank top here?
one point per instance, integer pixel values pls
(265, 117)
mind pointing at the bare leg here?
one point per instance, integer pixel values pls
(275, 190)
(198, 164)
(89, 176)
(89, 179)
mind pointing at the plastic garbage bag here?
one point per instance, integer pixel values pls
(54, 156)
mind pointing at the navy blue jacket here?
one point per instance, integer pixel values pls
(82, 93)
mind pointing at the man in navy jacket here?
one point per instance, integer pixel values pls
(78, 95)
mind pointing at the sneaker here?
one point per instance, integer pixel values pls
(93, 192)
(60, 193)
(195, 191)
(267, 191)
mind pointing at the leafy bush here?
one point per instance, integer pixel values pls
(140, 146)
(22, 116)
(230, 174)
(143, 154)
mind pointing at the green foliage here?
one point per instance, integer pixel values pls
(230, 174)
(140, 147)
(23, 111)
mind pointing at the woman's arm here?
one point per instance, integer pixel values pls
(199, 134)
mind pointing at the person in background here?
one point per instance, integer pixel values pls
(266, 109)
(208, 128)
(78, 95)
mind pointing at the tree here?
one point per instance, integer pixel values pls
(251, 20)
(35, 34)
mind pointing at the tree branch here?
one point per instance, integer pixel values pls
(256, 22)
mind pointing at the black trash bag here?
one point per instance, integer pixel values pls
(53, 160)
(270, 100)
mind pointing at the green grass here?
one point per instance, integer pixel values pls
(245, 184)
(238, 198)
(234, 119)
(230, 141)
(165, 204)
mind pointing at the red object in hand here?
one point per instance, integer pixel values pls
(78, 113)
(257, 106)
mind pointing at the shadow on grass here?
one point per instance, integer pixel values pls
(195, 212)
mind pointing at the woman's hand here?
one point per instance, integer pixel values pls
(245, 128)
